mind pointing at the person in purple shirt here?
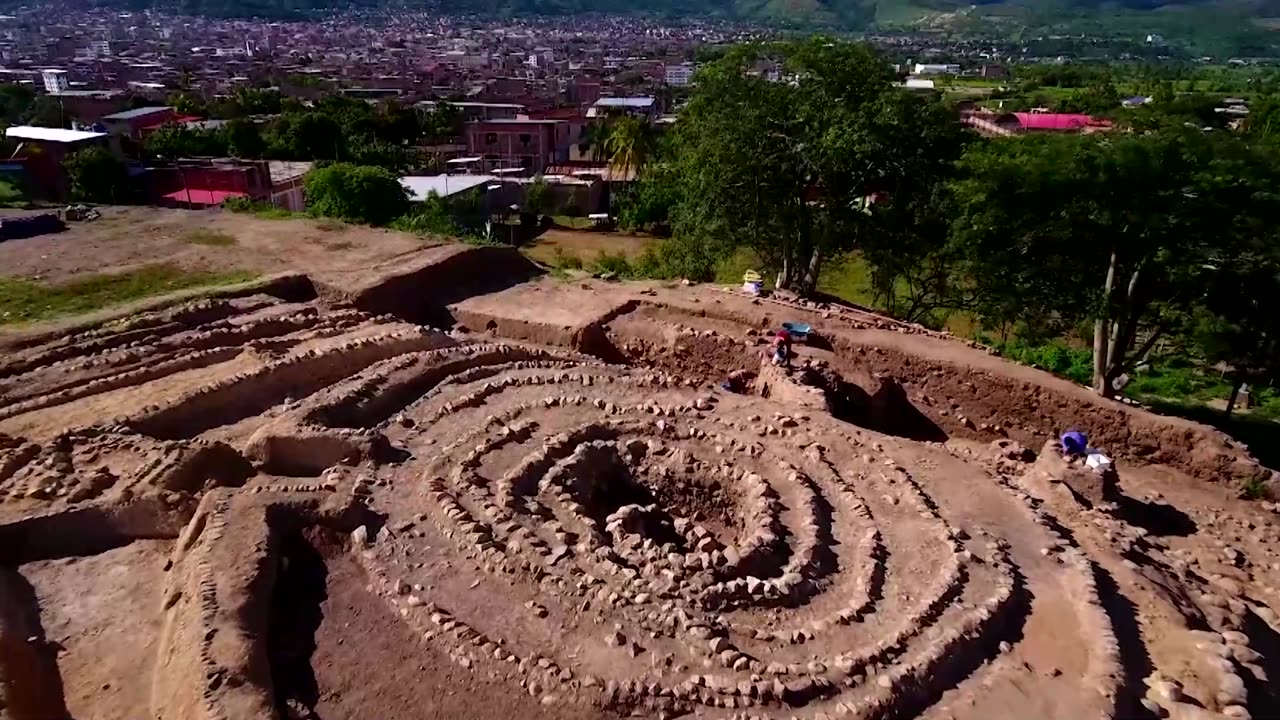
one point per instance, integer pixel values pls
(1074, 443)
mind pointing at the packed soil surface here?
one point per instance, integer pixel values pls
(451, 487)
(104, 653)
(371, 665)
(126, 238)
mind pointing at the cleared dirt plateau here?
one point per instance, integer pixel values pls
(454, 488)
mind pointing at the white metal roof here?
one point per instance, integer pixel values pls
(137, 113)
(635, 102)
(59, 135)
(421, 186)
(463, 160)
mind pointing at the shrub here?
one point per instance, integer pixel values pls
(609, 263)
(565, 261)
(1253, 489)
(356, 193)
(1075, 364)
(264, 210)
(97, 176)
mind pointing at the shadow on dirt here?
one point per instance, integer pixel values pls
(300, 589)
(1133, 653)
(1155, 518)
(28, 661)
(422, 295)
(1264, 697)
(887, 410)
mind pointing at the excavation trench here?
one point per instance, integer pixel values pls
(301, 587)
(880, 404)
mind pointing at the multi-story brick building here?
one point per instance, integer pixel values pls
(521, 142)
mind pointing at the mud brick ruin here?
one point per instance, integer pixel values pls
(544, 485)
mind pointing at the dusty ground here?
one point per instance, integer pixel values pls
(269, 506)
(129, 237)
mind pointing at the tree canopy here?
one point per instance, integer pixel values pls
(260, 124)
(789, 169)
(98, 176)
(356, 193)
(1123, 233)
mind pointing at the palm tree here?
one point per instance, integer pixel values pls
(631, 142)
(593, 139)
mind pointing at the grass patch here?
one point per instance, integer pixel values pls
(263, 210)
(848, 278)
(572, 222)
(1075, 364)
(730, 270)
(616, 264)
(11, 196)
(1253, 489)
(25, 301)
(275, 213)
(572, 250)
(564, 261)
(211, 238)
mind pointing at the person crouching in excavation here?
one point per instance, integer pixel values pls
(780, 349)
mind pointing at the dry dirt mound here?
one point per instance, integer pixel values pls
(289, 510)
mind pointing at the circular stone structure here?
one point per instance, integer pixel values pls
(322, 512)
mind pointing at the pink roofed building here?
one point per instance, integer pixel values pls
(1023, 122)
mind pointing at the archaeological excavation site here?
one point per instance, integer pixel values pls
(460, 488)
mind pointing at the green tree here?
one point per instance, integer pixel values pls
(594, 138)
(647, 204)
(244, 139)
(441, 122)
(1239, 328)
(1237, 325)
(16, 103)
(307, 136)
(48, 111)
(1170, 112)
(630, 143)
(98, 176)
(1264, 119)
(189, 103)
(181, 141)
(245, 101)
(538, 199)
(911, 255)
(397, 124)
(432, 216)
(1121, 233)
(356, 193)
(788, 168)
